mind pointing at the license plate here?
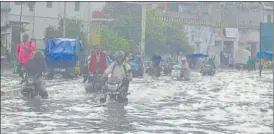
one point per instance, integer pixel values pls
(30, 80)
(113, 92)
(176, 73)
(112, 87)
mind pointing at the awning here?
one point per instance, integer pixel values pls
(15, 23)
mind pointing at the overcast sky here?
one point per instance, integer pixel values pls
(97, 5)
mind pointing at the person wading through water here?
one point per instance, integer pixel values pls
(24, 51)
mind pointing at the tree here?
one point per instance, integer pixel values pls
(158, 34)
(112, 42)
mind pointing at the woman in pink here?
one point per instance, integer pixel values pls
(24, 51)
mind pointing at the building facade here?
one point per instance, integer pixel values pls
(219, 17)
(46, 14)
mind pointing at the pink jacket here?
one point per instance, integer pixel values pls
(22, 55)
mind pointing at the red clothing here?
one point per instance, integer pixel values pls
(22, 55)
(100, 65)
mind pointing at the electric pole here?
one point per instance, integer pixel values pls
(143, 28)
(64, 19)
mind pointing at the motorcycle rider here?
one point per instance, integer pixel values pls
(156, 61)
(184, 63)
(97, 62)
(35, 68)
(24, 51)
(120, 68)
(185, 67)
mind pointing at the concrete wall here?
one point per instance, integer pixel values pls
(43, 16)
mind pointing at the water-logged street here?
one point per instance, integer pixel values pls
(230, 102)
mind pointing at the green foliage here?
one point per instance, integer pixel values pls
(160, 37)
(112, 42)
(51, 32)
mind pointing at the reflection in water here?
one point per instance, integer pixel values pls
(116, 117)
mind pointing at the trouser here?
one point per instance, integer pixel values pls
(20, 70)
(126, 85)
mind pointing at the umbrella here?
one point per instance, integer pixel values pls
(265, 54)
(196, 56)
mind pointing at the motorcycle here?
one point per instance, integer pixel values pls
(30, 89)
(176, 72)
(137, 69)
(207, 70)
(115, 89)
(95, 83)
(167, 69)
(180, 73)
(155, 71)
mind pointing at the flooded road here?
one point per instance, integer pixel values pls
(230, 102)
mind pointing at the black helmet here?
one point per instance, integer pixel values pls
(39, 55)
(119, 57)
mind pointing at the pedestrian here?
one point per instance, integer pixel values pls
(24, 51)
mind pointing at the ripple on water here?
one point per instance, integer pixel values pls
(226, 103)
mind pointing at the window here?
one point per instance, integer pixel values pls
(269, 18)
(49, 4)
(77, 6)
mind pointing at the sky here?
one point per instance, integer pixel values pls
(97, 5)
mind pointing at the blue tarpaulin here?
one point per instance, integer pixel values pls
(62, 52)
(265, 54)
(196, 56)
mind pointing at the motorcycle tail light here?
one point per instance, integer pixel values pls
(113, 78)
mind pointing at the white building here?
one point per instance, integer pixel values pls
(5, 29)
(46, 14)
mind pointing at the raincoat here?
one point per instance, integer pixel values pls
(157, 59)
(22, 54)
(97, 62)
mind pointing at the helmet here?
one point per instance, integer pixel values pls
(39, 55)
(119, 57)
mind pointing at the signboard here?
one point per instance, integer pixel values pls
(198, 22)
(231, 32)
(266, 37)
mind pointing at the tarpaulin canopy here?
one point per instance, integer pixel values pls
(265, 54)
(62, 52)
(197, 56)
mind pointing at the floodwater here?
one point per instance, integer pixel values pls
(228, 103)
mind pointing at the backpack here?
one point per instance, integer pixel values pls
(115, 66)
